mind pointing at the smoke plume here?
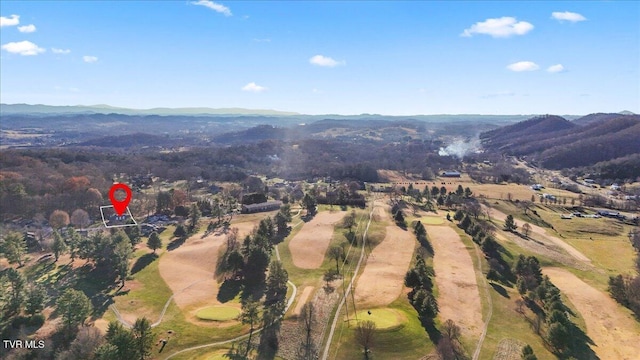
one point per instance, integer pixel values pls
(460, 148)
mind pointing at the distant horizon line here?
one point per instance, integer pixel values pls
(288, 113)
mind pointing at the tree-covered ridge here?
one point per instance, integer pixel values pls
(556, 143)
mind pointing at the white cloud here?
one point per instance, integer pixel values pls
(253, 87)
(24, 48)
(89, 59)
(567, 16)
(60, 51)
(523, 66)
(213, 6)
(27, 28)
(13, 20)
(555, 68)
(325, 61)
(500, 27)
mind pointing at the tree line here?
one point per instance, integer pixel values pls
(551, 320)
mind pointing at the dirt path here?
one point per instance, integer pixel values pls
(381, 281)
(302, 300)
(458, 294)
(496, 214)
(614, 332)
(309, 246)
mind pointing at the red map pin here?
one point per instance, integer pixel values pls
(120, 206)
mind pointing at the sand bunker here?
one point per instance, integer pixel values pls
(309, 246)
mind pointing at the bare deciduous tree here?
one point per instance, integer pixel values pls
(307, 349)
(526, 229)
(365, 332)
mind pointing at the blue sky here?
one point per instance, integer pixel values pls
(397, 58)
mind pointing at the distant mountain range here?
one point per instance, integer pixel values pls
(27, 109)
(554, 142)
(40, 110)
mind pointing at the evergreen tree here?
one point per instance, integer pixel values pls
(13, 247)
(510, 224)
(143, 337)
(74, 307)
(194, 217)
(36, 297)
(59, 247)
(154, 242)
(180, 231)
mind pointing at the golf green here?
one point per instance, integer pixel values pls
(218, 313)
(384, 318)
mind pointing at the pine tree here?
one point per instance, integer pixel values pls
(154, 242)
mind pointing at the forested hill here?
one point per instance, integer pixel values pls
(598, 117)
(554, 142)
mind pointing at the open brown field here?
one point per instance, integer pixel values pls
(381, 281)
(458, 293)
(611, 327)
(309, 246)
(189, 269)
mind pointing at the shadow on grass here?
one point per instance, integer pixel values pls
(142, 262)
(579, 345)
(229, 290)
(500, 290)
(176, 243)
(307, 217)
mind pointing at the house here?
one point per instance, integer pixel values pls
(261, 207)
(451, 174)
(548, 196)
(537, 187)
